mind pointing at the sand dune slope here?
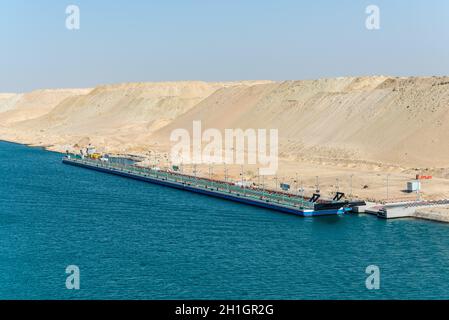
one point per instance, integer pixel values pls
(116, 117)
(400, 121)
(366, 126)
(7, 101)
(20, 107)
(383, 119)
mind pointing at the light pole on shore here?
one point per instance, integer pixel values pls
(302, 193)
(263, 186)
(226, 177)
(181, 175)
(283, 189)
(388, 178)
(225, 174)
(296, 183)
(418, 192)
(350, 186)
(243, 185)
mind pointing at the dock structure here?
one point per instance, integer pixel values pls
(265, 198)
(403, 209)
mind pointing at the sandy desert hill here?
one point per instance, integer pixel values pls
(7, 101)
(370, 124)
(391, 120)
(115, 117)
(20, 107)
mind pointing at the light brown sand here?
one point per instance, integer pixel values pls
(366, 127)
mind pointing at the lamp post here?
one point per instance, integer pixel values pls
(388, 195)
(194, 173)
(302, 193)
(296, 183)
(350, 186)
(283, 191)
(243, 186)
(263, 187)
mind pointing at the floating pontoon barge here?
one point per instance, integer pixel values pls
(269, 199)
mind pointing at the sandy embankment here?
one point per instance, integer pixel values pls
(440, 214)
(335, 128)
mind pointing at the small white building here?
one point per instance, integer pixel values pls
(413, 186)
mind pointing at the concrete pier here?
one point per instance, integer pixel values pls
(440, 214)
(431, 210)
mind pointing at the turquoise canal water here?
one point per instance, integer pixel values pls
(133, 240)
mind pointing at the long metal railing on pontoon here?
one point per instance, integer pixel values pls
(284, 199)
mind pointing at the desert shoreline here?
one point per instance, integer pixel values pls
(438, 214)
(364, 131)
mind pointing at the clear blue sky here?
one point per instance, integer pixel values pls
(214, 40)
